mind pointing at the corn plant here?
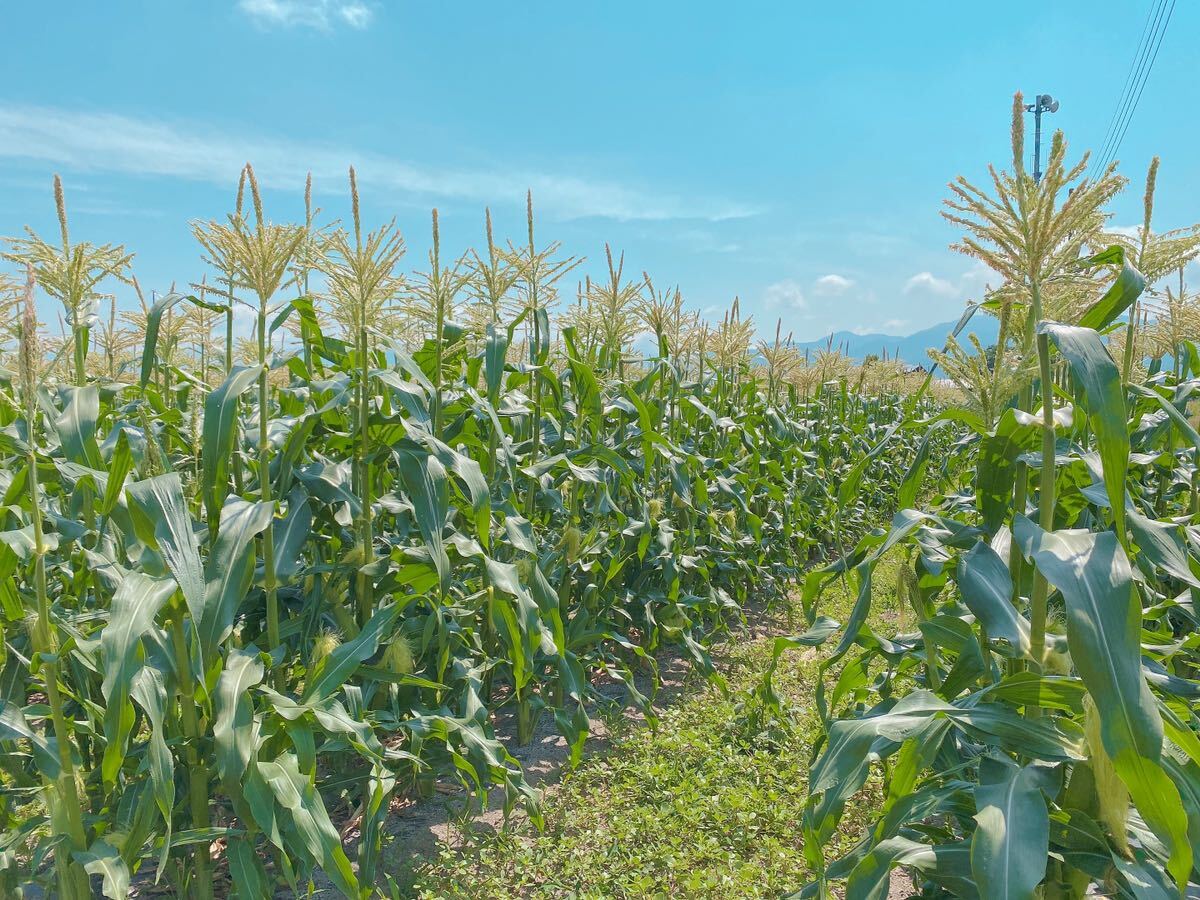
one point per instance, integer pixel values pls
(1037, 732)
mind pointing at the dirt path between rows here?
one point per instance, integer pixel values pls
(421, 828)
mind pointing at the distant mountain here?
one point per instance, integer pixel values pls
(911, 348)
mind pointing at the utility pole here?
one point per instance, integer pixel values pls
(1043, 103)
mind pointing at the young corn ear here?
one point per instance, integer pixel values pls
(1111, 792)
(398, 658)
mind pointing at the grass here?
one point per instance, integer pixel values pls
(700, 807)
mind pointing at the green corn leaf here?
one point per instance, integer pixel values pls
(235, 732)
(986, 587)
(870, 879)
(246, 871)
(14, 727)
(496, 349)
(588, 398)
(1177, 418)
(229, 570)
(842, 768)
(470, 475)
(1009, 847)
(995, 472)
(849, 487)
(907, 494)
(219, 433)
(1104, 398)
(1161, 545)
(296, 793)
(426, 484)
(154, 320)
(291, 533)
(119, 467)
(150, 693)
(131, 615)
(76, 426)
(103, 859)
(1032, 689)
(162, 521)
(1120, 296)
(1104, 621)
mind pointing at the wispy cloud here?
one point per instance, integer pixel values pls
(786, 294)
(832, 285)
(703, 241)
(322, 15)
(110, 142)
(927, 282)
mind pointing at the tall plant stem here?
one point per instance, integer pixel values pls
(1130, 338)
(366, 537)
(229, 336)
(264, 486)
(71, 875)
(535, 358)
(1020, 494)
(197, 771)
(439, 294)
(1037, 613)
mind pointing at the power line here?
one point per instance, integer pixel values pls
(1129, 118)
(1143, 72)
(1138, 69)
(1126, 89)
(1144, 66)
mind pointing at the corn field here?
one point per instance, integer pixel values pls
(255, 589)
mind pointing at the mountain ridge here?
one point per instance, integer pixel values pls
(912, 348)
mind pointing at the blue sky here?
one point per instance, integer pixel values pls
(794, 154)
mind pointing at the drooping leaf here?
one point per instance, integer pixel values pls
(76, 426)
(132, 612)
(150, 693)
(296, 793)
(1119, 297)
(235, 731)
(1104, 396)
(1104, 621)
(987, 588)
(103, 859)
(425, 483)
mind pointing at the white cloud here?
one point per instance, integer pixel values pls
(109, 142)
(832, 285)
(927, 282)
(319, 14)
(1132, 231)
(893, 325)
(786, 294)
